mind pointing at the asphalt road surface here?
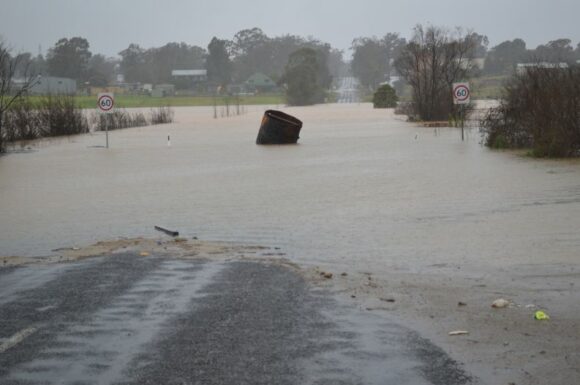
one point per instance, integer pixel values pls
(347, 90)
(128, 319)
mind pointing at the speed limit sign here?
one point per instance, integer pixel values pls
(461, 93)
(106, 102)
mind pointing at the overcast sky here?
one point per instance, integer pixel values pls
(110, 25)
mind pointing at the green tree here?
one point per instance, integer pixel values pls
(369, 62)
(385, 97)
(373, 58)
(133, 64)
(70, 58)
(173, 56)
(306, 77)
(502, 58)
(218, 64)
(556, 51)
(480, 44)
(101, 70)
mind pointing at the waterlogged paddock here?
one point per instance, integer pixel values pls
(362, 189)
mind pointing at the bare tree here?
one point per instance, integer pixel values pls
(431, 62)
(9, 93)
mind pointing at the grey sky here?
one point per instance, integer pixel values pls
(110, 25)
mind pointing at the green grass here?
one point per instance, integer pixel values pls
(488, 87)
(137, 101)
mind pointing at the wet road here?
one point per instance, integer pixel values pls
(347, 90)
(129, 319)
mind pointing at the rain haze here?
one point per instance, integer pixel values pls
(289, 192)
(110, 26)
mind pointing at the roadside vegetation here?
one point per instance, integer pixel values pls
(306, 77)
(51, 116)
(540, 110)
(385, 97)
(59, 115)
(27, 118)
(145, 101)
(430, 63)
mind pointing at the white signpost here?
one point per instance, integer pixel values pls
(106, 105)
(461, 96)
(461, 93)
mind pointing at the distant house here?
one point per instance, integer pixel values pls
(50, 85)
(163, 90)
(522, 67)
(259, 82)
(191, 76)
(193, 79)
(472, 63)
(479, 63)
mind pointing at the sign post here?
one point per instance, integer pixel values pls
(106, 105)
(461, 96)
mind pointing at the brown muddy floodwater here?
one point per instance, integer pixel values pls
(362, 188)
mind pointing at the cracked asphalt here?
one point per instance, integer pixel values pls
(129, 319)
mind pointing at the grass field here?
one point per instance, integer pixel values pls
(136, 101)
(488, 87)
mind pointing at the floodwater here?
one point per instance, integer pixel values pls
(362, 188)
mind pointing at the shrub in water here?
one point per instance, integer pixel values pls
(385, 97)
(540, 110)
(162, 115)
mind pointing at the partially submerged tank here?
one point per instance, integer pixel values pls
(278, 128)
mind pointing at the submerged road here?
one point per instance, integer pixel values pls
(348, 91)
(128, 319)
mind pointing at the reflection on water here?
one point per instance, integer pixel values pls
(362, 187)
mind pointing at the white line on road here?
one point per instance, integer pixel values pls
(16, 339)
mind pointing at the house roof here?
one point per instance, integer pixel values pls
(260, 80)
(189, 73)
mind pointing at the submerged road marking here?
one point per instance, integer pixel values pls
(16, 339)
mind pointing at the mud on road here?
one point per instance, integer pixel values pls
(152, 318)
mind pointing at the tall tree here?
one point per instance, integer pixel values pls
(30, 64)
(8, 92)
(218, 64)
(369, 62)
(305, 77)
(101, 70)
(502, 58)
(556, 51)
(252, 52)
(248, 40)
(133, 64)
(373, 58)
(174, 56)
(480, 43)
(69, 58)
(393, 45)
(432, 61)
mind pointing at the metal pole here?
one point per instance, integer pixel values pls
(107, 134)
(462, 122)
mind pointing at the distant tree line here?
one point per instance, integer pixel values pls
(436, 57)
(373, 58)
(250, 51)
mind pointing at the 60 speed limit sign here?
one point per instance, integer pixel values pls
(461, 93)
(106, 102)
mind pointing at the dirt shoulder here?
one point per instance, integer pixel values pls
(502, 345)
